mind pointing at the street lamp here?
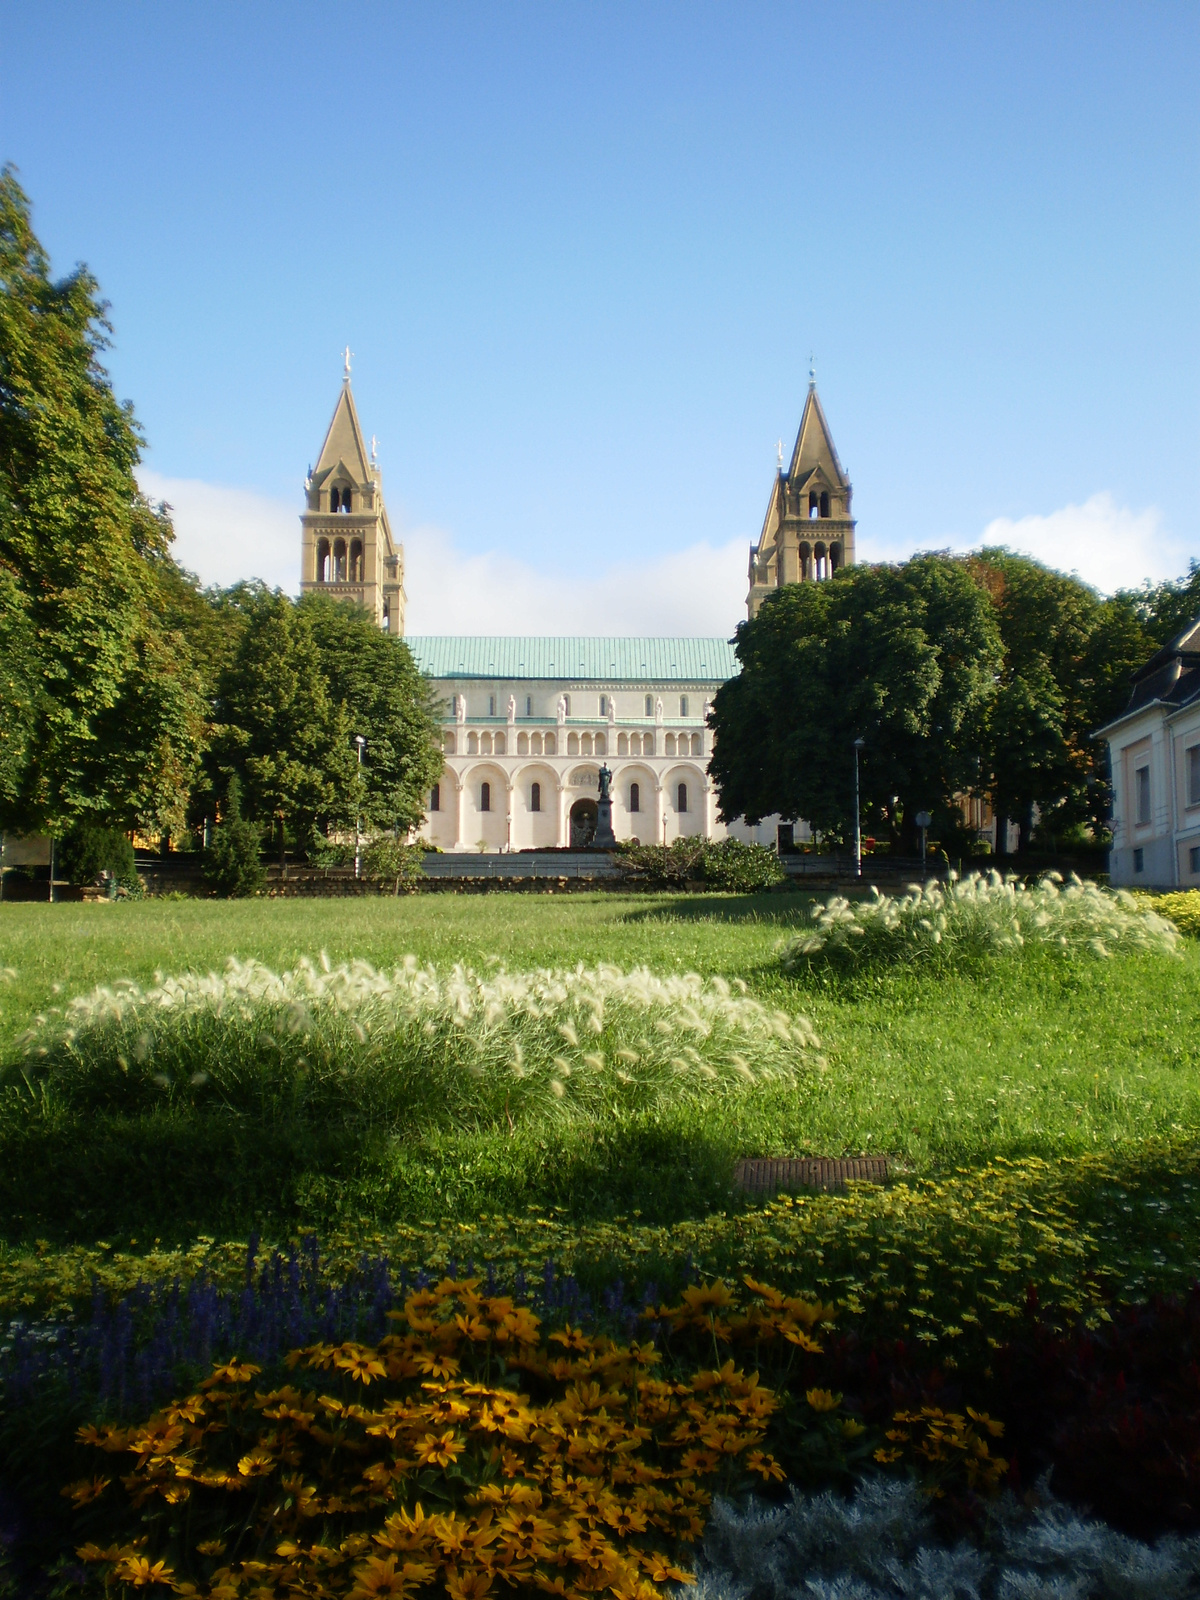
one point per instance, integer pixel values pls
(858, 745)
(359, 741)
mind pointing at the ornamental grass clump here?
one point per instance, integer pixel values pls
(411, 1049)
(978, 917)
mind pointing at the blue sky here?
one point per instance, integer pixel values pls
(582, 254)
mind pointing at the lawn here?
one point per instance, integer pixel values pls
(1037, 1057)
(1042, 1114)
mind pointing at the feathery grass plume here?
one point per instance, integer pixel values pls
(977, 916)
(415, 1047)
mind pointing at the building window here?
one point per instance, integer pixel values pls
(824, 502)
(491, 705)
(1139, 860)
(681, 797)
(785, 837)
(649, 705)
(528, 705)
(356, 561)
(485, 797)
(603, 705)
(1193, 773)
(535, 797)
(334, 497)
(1141, 782)
(683, 705)
(435, 797)
(1194, 859)
(635, 797)
(322, 560)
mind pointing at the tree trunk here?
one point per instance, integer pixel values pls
(1025, 829)
(1001, 833)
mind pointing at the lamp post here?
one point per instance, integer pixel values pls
(923, 821)
(359, 741)
(858, 744)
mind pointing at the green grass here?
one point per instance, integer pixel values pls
(1022, 1056)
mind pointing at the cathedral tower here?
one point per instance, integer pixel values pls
(808, 532)
(346, 539)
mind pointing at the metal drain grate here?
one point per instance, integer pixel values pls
(808, 1172)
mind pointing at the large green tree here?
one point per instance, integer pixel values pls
(374, 678)
(279, 729)
(100, 711)
(904, 657)
(1068, 659)
(1165, 609)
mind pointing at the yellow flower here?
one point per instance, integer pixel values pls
(823, 1400)
(707, 1297)
(981, 1417)
(360, 1364)
(467, 1586)
(232, 1372)
(851, 1427)
(138, 1571)
(765, 1465)
(257, 1464)
(884, 1456)
(380, 1576)
(86, 1490)
(439, 1450)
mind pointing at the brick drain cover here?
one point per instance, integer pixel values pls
(808, 1172)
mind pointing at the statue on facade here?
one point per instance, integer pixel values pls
(562, 709)
(512, 708)
(460, 709)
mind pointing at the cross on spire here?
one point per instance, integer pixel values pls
(346, 354)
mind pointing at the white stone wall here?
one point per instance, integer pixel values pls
(652, 751)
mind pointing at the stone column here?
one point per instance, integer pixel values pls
(509, 811)
(458, 809)
(564, 824)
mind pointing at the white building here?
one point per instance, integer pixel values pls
(1154, 749)
(527, 722)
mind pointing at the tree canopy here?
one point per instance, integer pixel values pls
(100, 714)
(903, 657)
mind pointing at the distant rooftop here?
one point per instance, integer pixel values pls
(599, 660)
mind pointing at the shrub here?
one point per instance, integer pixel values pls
(881, 1544)
(1183, 909)
(975, 917)
(87, 851)
(728, 864)
(387, 860)
(232, 863)
(413, 1048)
(459, 1452)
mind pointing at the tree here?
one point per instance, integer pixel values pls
(278, 729)
(904, 657)
(1068, 659)
(374, 679)
(114, 729)
(1165, 609)
(233, 863)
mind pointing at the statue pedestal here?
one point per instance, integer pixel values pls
(605, 838)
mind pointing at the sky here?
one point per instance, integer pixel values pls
(583, 254)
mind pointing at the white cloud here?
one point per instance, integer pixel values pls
(697, 591)
(1107, 545)
(225, 534)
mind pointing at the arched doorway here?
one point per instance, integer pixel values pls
(583, 824)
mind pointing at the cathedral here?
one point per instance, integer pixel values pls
(528, 722)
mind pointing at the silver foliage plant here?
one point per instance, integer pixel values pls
(415, 1045)
(979, 916)
(880, 1545)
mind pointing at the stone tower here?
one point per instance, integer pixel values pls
(808, 532)
(346, 540)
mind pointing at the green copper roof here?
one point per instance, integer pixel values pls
(597, 660)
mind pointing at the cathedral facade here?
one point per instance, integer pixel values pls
(528, 722)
